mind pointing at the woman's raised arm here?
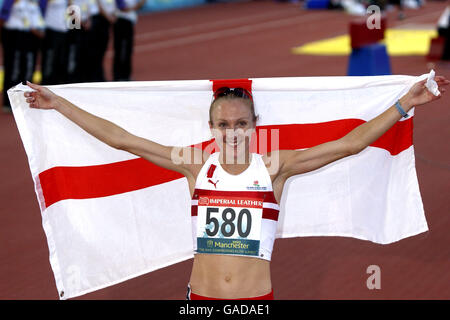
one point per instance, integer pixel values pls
(172, 158)
(293, 162)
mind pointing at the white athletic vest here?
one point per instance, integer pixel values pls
(129, 15)
(25, 15)
(234, 214)
(55, 15)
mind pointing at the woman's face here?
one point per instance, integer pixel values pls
(232, 126)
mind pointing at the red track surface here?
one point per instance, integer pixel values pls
(240, 40)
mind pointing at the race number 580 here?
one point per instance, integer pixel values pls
(229, 217)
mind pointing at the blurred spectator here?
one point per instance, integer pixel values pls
(444, 31)
(54, 47)
(380, 3)
(443, 22)
(102, 19)
(77, 43)
(335, 5)
(123, 37)
(22, 28)
(399, 5)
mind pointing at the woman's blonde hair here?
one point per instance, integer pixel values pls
(230, 94)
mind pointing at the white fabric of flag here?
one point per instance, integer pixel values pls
(105, 225)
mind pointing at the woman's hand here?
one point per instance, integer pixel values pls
(38, 33)
(419, 94)
(42, 98)
(86, 25)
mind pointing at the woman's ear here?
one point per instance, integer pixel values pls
(210, 124)
(256, 120)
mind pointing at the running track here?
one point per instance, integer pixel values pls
(239, 40)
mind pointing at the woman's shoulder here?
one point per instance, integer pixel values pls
(273, 161)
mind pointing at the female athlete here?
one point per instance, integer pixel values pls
(234, 196)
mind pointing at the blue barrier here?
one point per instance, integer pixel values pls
(370, 60)
(160, 5)
(316, 4)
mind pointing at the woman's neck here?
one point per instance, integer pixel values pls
(242, 159)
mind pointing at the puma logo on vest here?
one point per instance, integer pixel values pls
(214, 183)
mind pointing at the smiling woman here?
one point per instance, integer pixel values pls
(232, 121)
(233, 240)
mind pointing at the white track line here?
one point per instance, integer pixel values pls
(196, 38)
(426, 15)
(213, 35)
(225, 33)
(205, 26)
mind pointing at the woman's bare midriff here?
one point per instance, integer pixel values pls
(230, 277)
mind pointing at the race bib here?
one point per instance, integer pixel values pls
(229, 225)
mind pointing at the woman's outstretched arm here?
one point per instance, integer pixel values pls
(113, 135)
(364, 135)
(294, 162)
